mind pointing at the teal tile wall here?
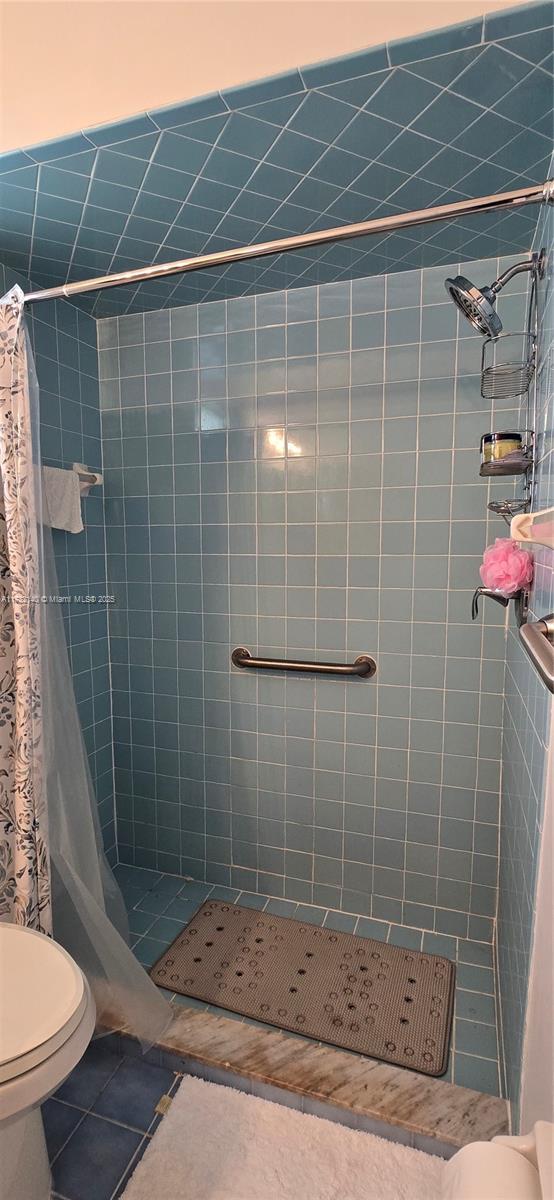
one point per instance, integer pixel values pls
(66, 358)
(297, 473)
(457, 113)
(527, 714)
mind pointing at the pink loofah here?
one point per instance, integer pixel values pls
(506, 568)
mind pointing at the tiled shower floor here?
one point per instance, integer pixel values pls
(159, 906)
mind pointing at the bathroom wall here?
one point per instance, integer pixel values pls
(537, 1080)
(64, 343)
(527, 716)
(446, 116)
(339, 512)
(64, 42)
(67, 369)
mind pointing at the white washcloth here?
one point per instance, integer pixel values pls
(62, 499)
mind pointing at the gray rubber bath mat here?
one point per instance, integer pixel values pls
(354, 992)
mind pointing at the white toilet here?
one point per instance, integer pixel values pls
(47, 1017)
(508, 1168)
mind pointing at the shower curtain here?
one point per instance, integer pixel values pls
(54, 875)
(24, 863)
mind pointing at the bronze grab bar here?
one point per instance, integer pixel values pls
(363, 665)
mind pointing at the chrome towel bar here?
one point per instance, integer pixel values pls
(363, 665)
(538, 641)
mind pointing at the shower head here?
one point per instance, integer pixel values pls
(477, 304)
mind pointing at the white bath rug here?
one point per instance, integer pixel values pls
(216, 1143)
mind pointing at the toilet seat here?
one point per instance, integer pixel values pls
(44, 999)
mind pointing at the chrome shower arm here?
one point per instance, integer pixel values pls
(529, 264)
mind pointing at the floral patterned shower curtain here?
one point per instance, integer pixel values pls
(24, 859)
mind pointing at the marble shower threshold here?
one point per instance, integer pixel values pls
(391, 1102)
(437, 1114)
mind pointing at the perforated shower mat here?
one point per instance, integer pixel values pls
(354, 992)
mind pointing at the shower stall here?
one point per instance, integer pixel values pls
(306, 716)
(296, 697)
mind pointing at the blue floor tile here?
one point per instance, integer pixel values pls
(140, 922)
(89, 1077)
(196, 891)
(136, 876)
(224, 893)
(281, 908)
(473, 1006)
(475, 979)
(132, 1166)
(478, 953)
(439, 943)
(155, 902)
(252, 900)
(182, 909)
(148, 950)
(92, 1163)
(169, 885)
(478, 1073)
(133, 896)
(133, 1092)
(59, 1120)
(368, 927)
(402, 936)
(473, 1037)
(344, 922)
(165, 929)
(310, 914)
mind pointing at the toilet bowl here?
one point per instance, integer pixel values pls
(508, 1168)
(47, 1017)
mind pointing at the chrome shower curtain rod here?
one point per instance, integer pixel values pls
(424, 216)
